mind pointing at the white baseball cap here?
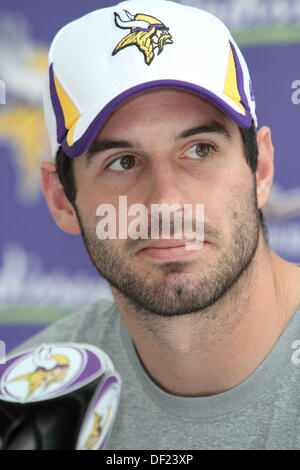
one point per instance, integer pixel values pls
(105, 57)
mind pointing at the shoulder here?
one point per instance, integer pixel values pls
(86, 325)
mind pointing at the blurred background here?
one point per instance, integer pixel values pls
(44, 273)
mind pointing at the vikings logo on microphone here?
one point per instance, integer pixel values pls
(146, 32)
(96, 431)
(50, 368)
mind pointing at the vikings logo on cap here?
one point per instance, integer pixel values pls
(147, 33)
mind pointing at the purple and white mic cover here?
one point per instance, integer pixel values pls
(50, 371)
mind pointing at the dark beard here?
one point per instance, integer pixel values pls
(177, 295)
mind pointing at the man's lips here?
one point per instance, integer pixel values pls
(169, 243)
(171, 249)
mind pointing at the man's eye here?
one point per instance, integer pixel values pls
(125, 162)
(199, 151)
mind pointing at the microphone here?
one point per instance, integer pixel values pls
(58, 396)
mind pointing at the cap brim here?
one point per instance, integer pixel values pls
(91, 123)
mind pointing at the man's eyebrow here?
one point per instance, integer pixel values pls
(102, 145)
(209, 127)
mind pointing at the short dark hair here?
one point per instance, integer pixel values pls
(251, 154)
(64, 166)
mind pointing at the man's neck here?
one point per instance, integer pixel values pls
(211, 351)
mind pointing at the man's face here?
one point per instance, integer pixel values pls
(170, 146)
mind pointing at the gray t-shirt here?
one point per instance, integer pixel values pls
(263, 412)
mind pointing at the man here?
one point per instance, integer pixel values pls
(153, 101)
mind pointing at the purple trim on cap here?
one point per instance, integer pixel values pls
(157, 26)
(61, 129)
(240, 78)
(251, 90)
(82, 144)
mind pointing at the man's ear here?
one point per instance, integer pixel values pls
(60, 207)
(265, 165)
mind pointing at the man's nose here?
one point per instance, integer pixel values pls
(167, 185)
(166, 197)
